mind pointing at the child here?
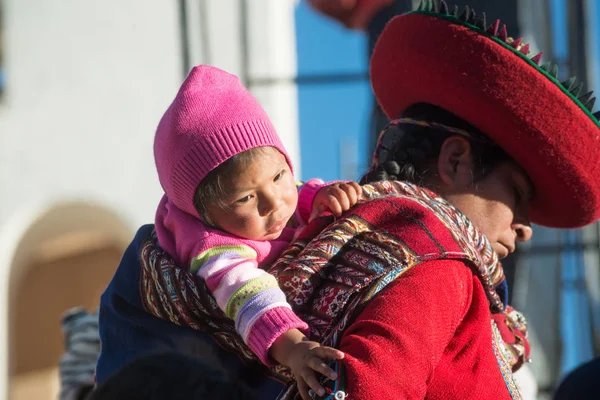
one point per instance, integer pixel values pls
(229, 197)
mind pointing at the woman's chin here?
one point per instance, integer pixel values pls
(501, 251)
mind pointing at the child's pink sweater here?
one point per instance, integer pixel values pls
(231, 267)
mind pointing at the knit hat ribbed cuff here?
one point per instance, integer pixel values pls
(229, 141)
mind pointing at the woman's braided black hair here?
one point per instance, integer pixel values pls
(408, 151)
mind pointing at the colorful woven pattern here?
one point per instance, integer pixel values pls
(332, 271)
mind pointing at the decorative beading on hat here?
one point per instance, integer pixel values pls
(498, 31)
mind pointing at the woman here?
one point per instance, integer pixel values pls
(407, 284)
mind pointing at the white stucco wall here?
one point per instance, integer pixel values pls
(87, 82)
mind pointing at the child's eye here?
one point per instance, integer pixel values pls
(278, 176)
(244, 199)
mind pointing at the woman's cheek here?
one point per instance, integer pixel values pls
(503, 217)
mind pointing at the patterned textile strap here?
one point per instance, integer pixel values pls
(331, 272)
(173, 294)
(365, 256)
(474, 244)
(330, 280)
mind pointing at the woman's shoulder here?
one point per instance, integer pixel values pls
(415, 224)
(436, 294)
(450, 282)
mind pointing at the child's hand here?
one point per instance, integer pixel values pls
(336, 198)
(308, 357)
(304, 357)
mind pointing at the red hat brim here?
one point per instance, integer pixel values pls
(423, 57)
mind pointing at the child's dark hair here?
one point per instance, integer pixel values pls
(212, 189)
(171, 376)
(417, 147)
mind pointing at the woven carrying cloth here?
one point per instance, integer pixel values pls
(332, 271)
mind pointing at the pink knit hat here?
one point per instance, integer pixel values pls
(212, 118)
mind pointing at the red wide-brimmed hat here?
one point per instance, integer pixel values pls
(458, 62)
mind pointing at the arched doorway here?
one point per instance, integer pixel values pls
(65, 256)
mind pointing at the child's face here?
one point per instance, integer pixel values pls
(260, 201)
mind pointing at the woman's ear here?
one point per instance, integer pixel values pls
(455, 165)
